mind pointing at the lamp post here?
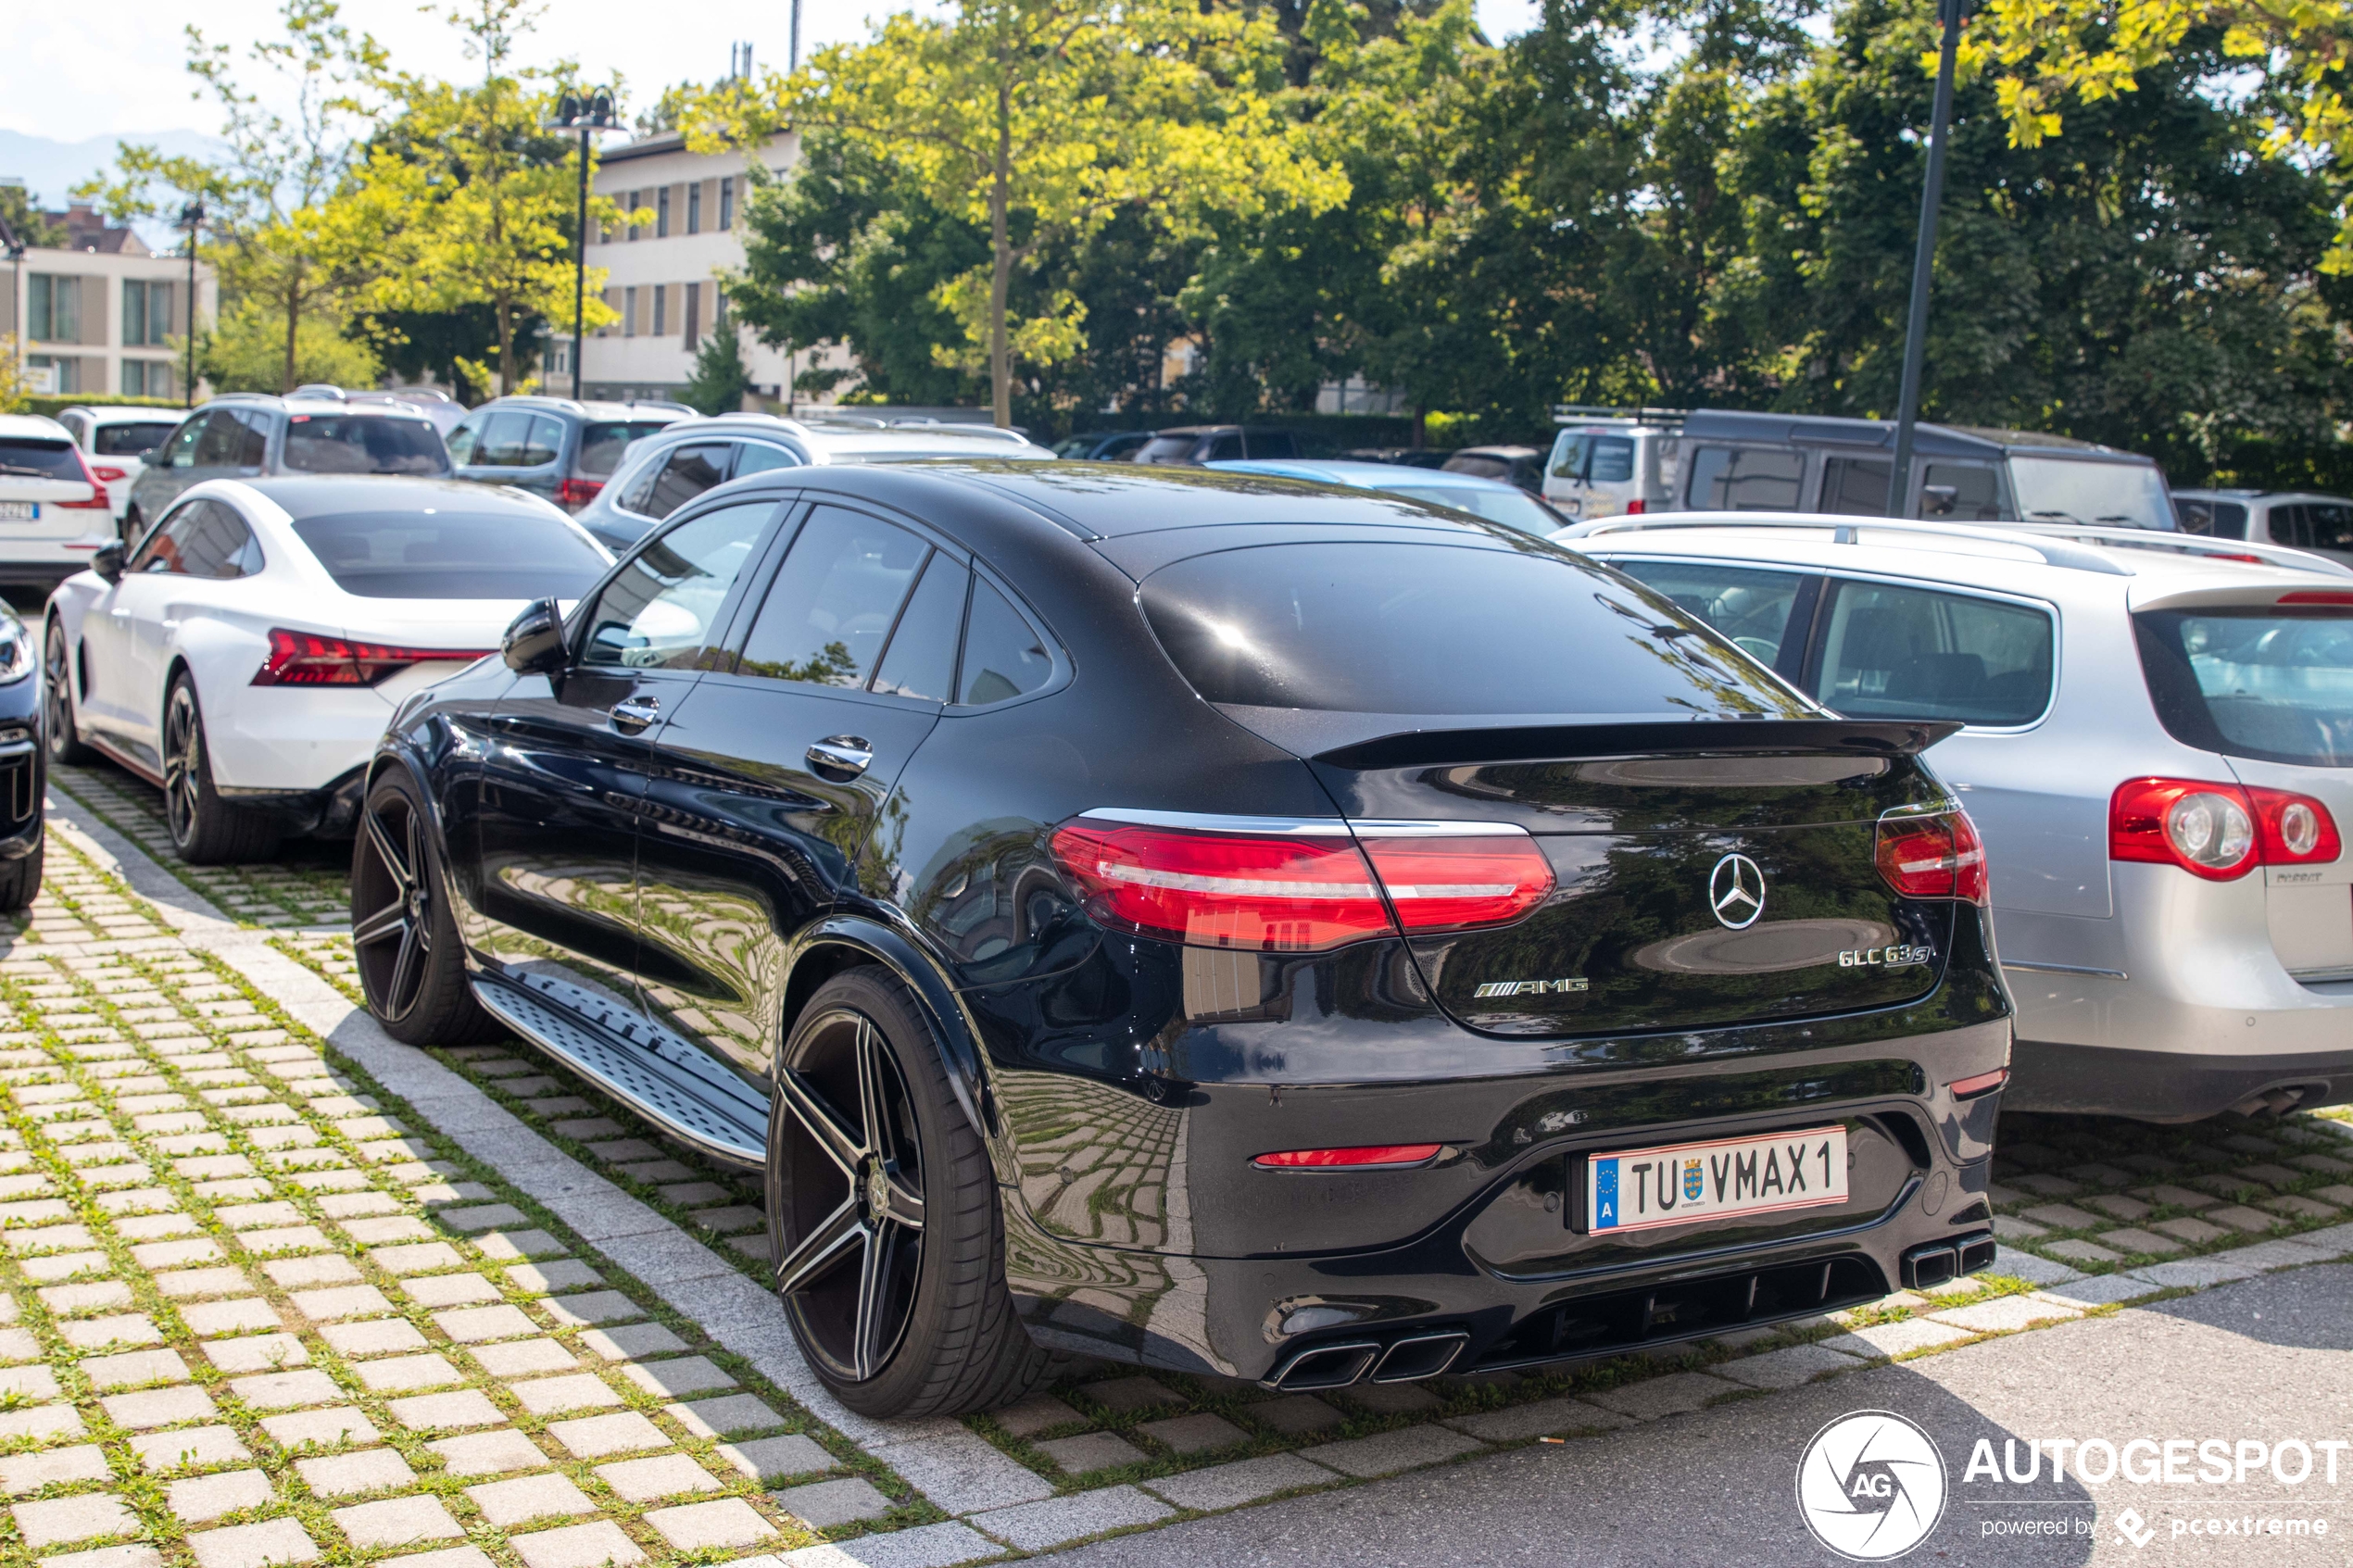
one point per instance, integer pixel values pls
(1907, 406)
(584, 114)
(191, 217)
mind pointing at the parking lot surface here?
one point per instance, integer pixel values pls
(278, 1288)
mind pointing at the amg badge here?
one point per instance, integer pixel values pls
(1529, 987)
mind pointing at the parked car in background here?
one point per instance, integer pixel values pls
(247, 652)
(553, 446)
(1522, 465)
(1490, 499)
(250, 435)
(1196, 445)
(2298, 519)
(1102, 445)
(1610, 465)
(117, 441)
(691, 455)
(936, 838)
(1806, 463)
(52, 509)
(1403, 456)
(2157, 744)
(445, 412)
(23, 771)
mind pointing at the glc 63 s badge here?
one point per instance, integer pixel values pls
(1892, 957)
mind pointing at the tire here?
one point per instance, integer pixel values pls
(21, 882)
(206, 830)
(890, 1247)
(130, 529)
(59, 730)
(404, 936)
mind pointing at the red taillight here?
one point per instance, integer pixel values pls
(1983, 1083)
(110, 475)
(2292, 830)
(306, 659)
(2218, 831)
(1636, 507)
(1288, 888)
(1933, 857)
(97, 501)
(576, 492)
(2313, 597)
(1370, 1155)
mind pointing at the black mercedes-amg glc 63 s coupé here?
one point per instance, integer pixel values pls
(1213, 922)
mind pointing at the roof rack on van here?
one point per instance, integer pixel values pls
(2053, 541)
(1578, 413)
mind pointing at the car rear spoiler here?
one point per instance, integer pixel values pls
(1853, 737)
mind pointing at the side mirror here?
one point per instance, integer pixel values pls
(107, 561)
(533, 642)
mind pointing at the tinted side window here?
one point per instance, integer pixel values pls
(1854, 486)
(1961, 492)
(161, 549)
(2230, 520)
(253, 439)
(1004, 656)
(758, 457)
(1746, 479)
(462, 440)
(602, 443)
(503, 438)
(920, 660)
(2329, 525)
(223, 437)
(1751, 608)
(1612, 459)
(202, 539)
(1911, 653)
(1224, 449)
(2286, 525)
(544, 440)
(180, 449)
(684, 475)
(656, 613)
(1273, 443)
(834, 601)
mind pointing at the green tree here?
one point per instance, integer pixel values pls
(246, 352)
(720, 377)
(25, 222)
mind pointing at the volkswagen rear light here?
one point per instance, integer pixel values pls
(1934, 856)
(574, 493)
(306, 658)
(110, 475)
(2292, 830)
(2206, 829)
(1271, 886)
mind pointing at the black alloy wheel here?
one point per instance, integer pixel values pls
(206, 830)
(402, 933)
(57, 729)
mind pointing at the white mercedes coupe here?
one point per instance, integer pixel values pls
(247, 654)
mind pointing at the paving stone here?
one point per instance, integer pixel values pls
(2005, 1314)
(1039, 1412)
(349, 1475)
(2011, 1261)
(250, 1546)
(1121, 1395)
(1786, 1369)
(1095, 1450)
(2179, 1196)
(632, 1343)
(1038, 1526)
(664, 1475)
(600, 1545)
(597, 1305)
(210, 1319)
(29, 1383)
(767, 1459)
(85, 1300)
(2010, 1227)
(489, 1453)
(823, 1504)
(293, 1238)
(327, 1428)
(397, 1522)
(1657, 1397)
(198, 1447)
(1198, 1434)
(1392, 1399)
(2133, 1239)
(2268, 1176)
(625, 1431)
(476, 1326)
(1542, 1418)
(449, 1557)
(376, 1336)
(203, 1498)
(698, 1527)
(91, 1516)
(1296, 1415)
(420, 1257)
(2045, 1185)
(159, 1407)
(107, 1557)
(1388, 1452)
(2301, 1208)
(257, 1352)
(553, 1396)
(2252, 1221)
(2105, 1291)
(1896, 1338)
(545, 1279)
(2064, 1217)
(346, 1301)
(488, 1217)
(678, 1379)
(300, 1273)
(725, 1417)
(1230, 1485)
(24, 1474)
(2278, 1255)
(450, 1290)
(380, 1231)
(535, 1497)
(509, 1246)
(2082, 1252)
(2198, 1232)
(452, 1411)
(287, 1390)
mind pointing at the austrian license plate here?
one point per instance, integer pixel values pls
(20, 511)
(1644, 1188)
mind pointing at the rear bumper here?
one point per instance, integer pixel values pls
(2162, 1086)
(327, 812)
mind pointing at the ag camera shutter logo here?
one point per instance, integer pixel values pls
(1871, 1486)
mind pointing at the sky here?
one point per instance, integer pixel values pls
(118, 69)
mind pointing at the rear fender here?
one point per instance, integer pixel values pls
(820, 952)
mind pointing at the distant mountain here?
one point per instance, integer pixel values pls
(50, 168)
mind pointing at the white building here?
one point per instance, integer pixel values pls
(663, 277)
(96, 317)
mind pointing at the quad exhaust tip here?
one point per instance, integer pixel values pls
(1338, 1366)
(1924, 1268)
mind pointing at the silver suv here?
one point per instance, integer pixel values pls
(2157, 744)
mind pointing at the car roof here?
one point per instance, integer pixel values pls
(1928, 440)
(1368, 476)
(39, 427)
(118, 414)
(303, 495)
(588, 409)
(2262, 495)
(1495, 452)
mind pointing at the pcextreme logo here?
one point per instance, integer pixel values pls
(1871, 1486)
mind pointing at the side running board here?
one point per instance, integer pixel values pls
(665, 1079)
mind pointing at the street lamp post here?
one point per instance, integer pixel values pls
(1908, 406)
(191, 217)
(585, 115)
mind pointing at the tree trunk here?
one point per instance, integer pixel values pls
(506, 346)
(294, 320)
(1000, 266)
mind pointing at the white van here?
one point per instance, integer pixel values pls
(1606, 463)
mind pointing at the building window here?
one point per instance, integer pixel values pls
(662, 213)
(661, 309)
(629, 312)
(694, 207)
(692, 322)
(612, 302)
(65, 374)
(718, 308)
(727, 202)
(636, 200)
(54, 306)
(146, 378)
(146, 314)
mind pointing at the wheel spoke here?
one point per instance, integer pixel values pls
(902, 1200)
(874, 1108)
(390, 921)
(822, 1248)
(871, 1333)
(821, 1121)
(395, 866)
(407, 972)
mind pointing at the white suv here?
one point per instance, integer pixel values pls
(117, 441)
(2156, 743)
(53, 510)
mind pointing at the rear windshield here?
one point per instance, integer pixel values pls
(603, 440)
(1599, 460)
(130, 440)
(2269, 683)
(1166, 449)
(1512, 509)
(1437, 629)
(25, 458)
(2108, 495)
(452, 555)
(363, 443)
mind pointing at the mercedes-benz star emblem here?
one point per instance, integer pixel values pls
(1736, 892)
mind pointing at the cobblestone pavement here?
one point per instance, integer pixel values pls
(472, 1169)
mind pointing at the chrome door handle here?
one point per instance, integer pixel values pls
(632, 713)
(841, 758)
